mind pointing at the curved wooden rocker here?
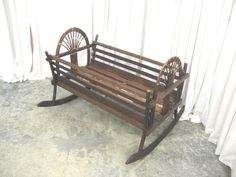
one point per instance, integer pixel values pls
(69, 42)
(137, 89)
(142, 152)
(57, 102)
(168, 73)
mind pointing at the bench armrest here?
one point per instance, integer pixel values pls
(74, 50)
(167, 91)
(59, 60)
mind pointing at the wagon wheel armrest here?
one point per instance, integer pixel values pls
(74, 51)
(167, 91)
(60, 60)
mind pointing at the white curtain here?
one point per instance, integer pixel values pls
(199, 32)
(46, 20)
(16, 56)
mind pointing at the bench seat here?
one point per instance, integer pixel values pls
(137, 89)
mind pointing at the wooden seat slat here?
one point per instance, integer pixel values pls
(105, 92)
(138, 71)
(98, 81)
(105, 87)
(122, 76)
(117, 84)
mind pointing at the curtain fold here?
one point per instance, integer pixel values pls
(210, 96)
(6, 65)
(47, 21)
(18, 33)
(200, 32)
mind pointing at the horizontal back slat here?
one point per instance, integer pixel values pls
(127, 60)
(129, 68)
(136, 64)
(140, 57)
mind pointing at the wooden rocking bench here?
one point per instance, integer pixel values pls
(139, 90)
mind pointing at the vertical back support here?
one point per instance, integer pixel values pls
(147, 110)
(94, 48)
(180, 87)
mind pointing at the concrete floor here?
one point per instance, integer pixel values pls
(79, 139)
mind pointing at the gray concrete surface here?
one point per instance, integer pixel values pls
(79, 139)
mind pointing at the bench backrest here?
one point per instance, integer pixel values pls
(132, 63)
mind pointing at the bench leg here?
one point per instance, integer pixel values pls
(55, 102)
(142, 152)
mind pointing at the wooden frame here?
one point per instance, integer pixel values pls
(137, 89)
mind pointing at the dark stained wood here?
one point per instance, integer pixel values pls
(137, 89)
(57, 102)
(104, 91)
(116, 84)
(74, 58)
(120, 111)
(70, 41)
(147, 110)
(129, 61)
(74, 52)
(109, 72)
(94, 47)
(164, 93)
(138, 71)
(145, 151)
(122, 76)
(107, 86)
(158, 118)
